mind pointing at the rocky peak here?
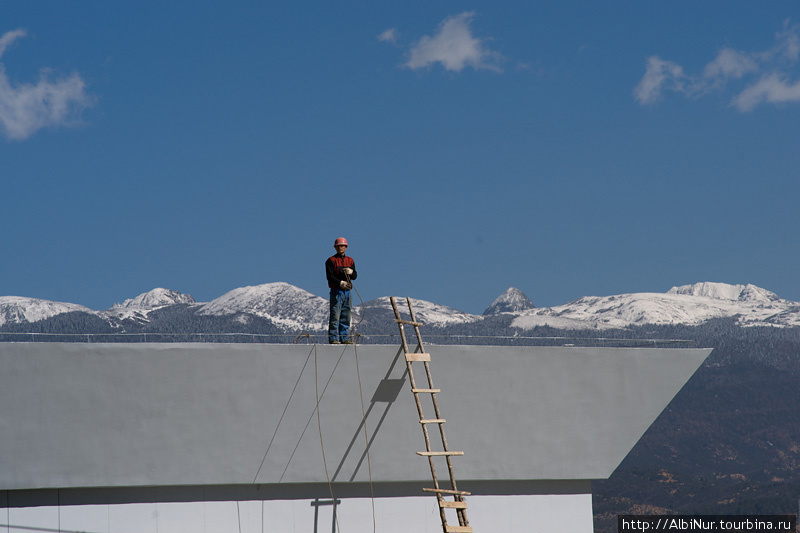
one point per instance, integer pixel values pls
(511, 301)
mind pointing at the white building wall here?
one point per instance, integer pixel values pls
(570, 513)
(92, 433)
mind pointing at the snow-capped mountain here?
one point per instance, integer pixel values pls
(138, 308)
(17, 309)
(156, 298)
(428, 313)
(287, 306)
(293, 310)
(511, 301)
(724, 291)
(688, 304)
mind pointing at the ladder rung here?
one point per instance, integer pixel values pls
(452, 505)
(410, 323)
(458, 529)
(431, 391)
(432, 421)
(437, 454)
(418, 357)
(449, 491)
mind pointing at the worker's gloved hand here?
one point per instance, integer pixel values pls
(348, 271)
(345, 285)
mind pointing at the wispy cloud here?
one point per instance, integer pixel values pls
(388, 36)
(454, 47)
(771, 89)
(763, 77)
(26, 108)
(659, 75)
(8, 38)
(729, 65)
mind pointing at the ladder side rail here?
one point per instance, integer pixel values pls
(433, 396)
(420, 349)
(461, 513)
(399, 324)
(411, 378)
(412, 382)
(416, 326)
(460, 506)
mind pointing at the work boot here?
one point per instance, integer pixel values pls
(334, 342)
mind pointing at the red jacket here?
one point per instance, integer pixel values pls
(333, 270)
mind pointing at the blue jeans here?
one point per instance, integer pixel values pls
(339, 324)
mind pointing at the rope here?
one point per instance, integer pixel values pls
(363, 309)
(321, 443)
(311, 416)
(239, 516)
(366, 438)
(357, 336)
(286, 407)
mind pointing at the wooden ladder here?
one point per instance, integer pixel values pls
(419, 355)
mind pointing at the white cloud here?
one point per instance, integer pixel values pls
(388, 36)
(778, 65)
(787, 44)
(454, 47)
(771, 89)
(26, 108)
(10, 37)
(729, 64)
(659, 75)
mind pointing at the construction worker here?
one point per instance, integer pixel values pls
(340, 271)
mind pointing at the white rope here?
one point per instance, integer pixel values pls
(239, 516)
(285, 408)
(321, 443)
(366, 439)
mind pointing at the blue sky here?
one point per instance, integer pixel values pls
(567, 149)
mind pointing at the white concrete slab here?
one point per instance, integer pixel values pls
(242, 416)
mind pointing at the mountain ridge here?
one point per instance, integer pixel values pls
(292, 309)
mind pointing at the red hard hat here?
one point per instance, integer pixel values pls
(340, 240)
